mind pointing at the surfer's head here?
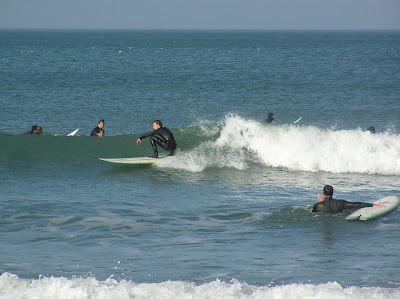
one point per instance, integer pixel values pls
(271, 116)
(328, 191)
(101, 123)
(100, 133)
(157, 124)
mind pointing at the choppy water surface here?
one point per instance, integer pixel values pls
(230, 215)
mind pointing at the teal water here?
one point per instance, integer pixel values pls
(230, 214)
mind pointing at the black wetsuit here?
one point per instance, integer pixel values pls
(270, 118)
(332, 206)
(167, 140)
(95, 131)
(32, 132)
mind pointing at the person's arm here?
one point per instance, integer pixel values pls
(152, 133)
(354, 205)
(378, 206)
(320, 198)
(359, 205)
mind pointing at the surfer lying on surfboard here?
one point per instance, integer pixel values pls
(328, 205)
(165, 141)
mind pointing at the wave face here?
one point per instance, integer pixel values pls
(240, 142)
(235, 142)
(12, 287)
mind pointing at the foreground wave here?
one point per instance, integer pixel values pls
(11, 286)
(235, 142)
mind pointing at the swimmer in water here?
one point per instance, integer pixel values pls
(37, 130)
(99, 127)
(371, 129)
(270, 118)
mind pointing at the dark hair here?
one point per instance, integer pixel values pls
(101, 121)
(328, 190)
(158, 122)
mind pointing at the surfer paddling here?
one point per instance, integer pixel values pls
(165, 139)
(328, 205)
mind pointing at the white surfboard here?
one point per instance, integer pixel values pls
(390, 203)
(70, 134)
(136, 160)
(296, 121)
(73, 132)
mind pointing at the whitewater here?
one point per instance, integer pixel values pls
(13, 287)
(241, 142)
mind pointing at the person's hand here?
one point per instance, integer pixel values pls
(378, 206)
(139, 141)
(320, 198)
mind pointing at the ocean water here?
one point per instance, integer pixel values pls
(229, 216)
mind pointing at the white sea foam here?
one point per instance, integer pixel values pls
(305, 148)
(13, 287)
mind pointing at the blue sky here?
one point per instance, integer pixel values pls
(201, 14)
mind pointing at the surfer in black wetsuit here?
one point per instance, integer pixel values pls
(98, 129)
(371, 129)
(270, 118)
(165, 141)
(328, 205)
(35, 130)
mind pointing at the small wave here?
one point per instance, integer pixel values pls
(12, 287)
(235, 143)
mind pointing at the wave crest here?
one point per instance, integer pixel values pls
(241, 142)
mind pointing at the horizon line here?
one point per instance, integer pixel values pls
(195, 29)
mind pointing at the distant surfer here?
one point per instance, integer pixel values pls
(328, 205)
(100, 133)
(371, 129)
(165, 139)
(35, 130)
(270, 118)
(98, 129)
